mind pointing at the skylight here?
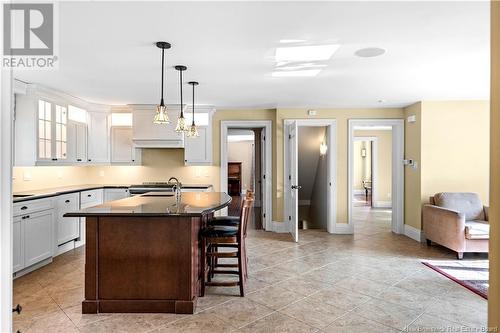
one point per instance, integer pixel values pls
(300, 73)
(306, 53)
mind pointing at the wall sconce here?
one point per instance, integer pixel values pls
(323, 148)
(363, 152)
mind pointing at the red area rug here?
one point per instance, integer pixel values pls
(473, 275)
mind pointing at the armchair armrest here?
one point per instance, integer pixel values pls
(444, 226)
(486, 213)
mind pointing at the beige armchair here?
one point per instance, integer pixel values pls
(458, 221)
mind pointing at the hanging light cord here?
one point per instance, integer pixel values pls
(162, 103)
(193, 105)
(182, 112)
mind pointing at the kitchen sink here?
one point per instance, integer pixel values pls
(158, 195)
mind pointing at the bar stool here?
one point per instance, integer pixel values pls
(219, 237)
(229, 221)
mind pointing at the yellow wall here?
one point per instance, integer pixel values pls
(47, 177)
(362, 165)
(242, 152)
(341, 116)
(455, 148)
(413, 197)
(494, 291)
(383, 193)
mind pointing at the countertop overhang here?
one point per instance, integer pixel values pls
(158, 204)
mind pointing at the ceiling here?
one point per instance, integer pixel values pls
(434, 51)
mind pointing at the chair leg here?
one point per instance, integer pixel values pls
(203, 265)
(429, 242)
(460, 255)
(240, 272)
(210, 263)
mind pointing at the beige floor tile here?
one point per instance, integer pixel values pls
(277, 322)
(388, 314)
(198, 323)
(341, 298)
(239, 312)
(475, 317)
(130, 323)
(75, 315)
(353, 323)
(313, 312)
(56, 322)
(403, 297)
(275, 297)
(363, 286)
(303, 285)
(271, 275)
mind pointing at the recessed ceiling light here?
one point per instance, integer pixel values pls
(370, 52)
(302, 73)
(306, 53)
(288, 41)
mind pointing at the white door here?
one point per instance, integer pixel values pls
(38, 232)
(81, 142)
(68, 228)
(195, 149)
(98, 142)
(292, 185)
(264, 177)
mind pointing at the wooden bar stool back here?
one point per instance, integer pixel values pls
(215, 239)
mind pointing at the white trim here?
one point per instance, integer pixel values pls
(414, 233)
(6, 128)
(278, 227)
(382, 204)
(397, 167)
(344, 228)
(358, 192)
(268, 172)
(331, 125)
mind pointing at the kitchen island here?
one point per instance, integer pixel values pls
(143, 253)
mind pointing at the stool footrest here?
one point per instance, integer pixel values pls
(222, 284)
(216, 271)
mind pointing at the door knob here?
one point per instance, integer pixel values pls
(296, 187)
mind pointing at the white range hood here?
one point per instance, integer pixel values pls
(146, 134)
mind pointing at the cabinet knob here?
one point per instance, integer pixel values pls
(78, 159)
(67, 201)
(25, 217)
(89, 195)
(24, 208)
(133, 160)
(90, 160)
(54, 159)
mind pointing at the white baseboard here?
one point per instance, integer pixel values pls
(32, 268)
(278, 227)
(343, 229)
(382, 204)
(413, 233)
(304, 202)
(65, 248)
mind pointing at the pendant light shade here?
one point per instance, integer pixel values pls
(181, 121)
(193, 130)
(161, 116)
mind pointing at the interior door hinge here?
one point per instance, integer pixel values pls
(289, 136)
(289, 218)
(264, 215)
(289, 177)
(263, 176)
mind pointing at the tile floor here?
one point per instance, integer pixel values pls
(370, 282)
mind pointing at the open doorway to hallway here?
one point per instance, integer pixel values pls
(372, 179)
(244, 170)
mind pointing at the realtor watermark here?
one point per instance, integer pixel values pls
(30, 36)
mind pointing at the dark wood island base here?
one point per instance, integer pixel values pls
(141, 258)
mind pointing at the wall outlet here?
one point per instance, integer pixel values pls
(27, 176)
(411, 119)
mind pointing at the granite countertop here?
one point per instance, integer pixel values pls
(55, 191)
(160, 204)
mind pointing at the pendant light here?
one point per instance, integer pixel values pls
(193, 131)
(181, 122)
(161, 116)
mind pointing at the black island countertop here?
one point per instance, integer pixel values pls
(160, 204)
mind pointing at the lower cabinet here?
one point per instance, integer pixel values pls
(68, 228)
(33, 238)
(38, 240)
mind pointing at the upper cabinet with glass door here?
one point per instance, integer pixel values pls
(44, 134)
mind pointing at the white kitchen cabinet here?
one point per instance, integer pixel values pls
(88, 199)
(77, 142)
(68, 228)
(146, 134)
(111, 194)
(98, 137)
(122, 147)
(17, 244)
(198, 151)
(38, 236)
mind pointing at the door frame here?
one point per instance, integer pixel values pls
(397, 195)
(374, 157)
(6, 141)
(268, 172)
(331, 124)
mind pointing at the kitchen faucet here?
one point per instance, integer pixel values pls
(177, 186)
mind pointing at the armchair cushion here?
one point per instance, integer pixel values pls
(467, 203)
(477, 230)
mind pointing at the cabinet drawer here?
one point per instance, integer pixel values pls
(30, 206)
(93, 197)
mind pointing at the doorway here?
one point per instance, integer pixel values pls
(375, 175)
(310, 174)
(246, 164)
